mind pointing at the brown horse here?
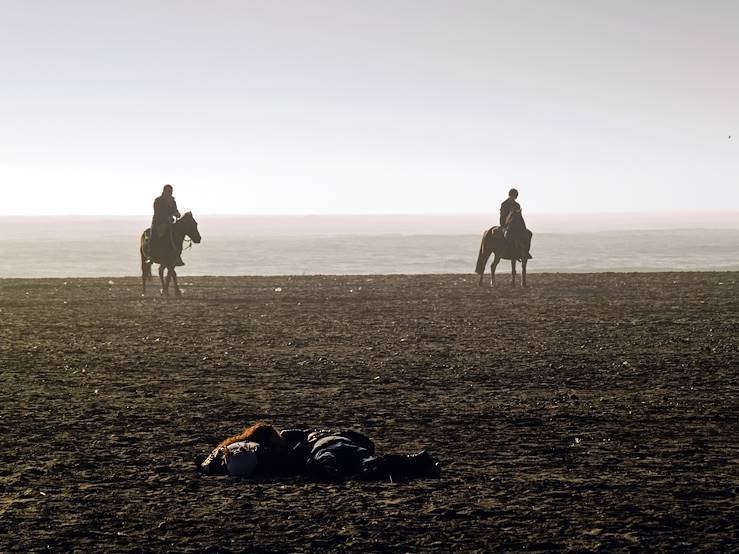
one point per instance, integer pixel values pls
(514, 248)
(170, 252)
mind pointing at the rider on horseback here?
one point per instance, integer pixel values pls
(507, 208)
(513, 233)
(165, 212)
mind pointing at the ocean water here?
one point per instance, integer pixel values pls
(108, 246)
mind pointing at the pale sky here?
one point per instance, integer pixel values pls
(313, 107)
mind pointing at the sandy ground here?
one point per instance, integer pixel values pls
(591, 412)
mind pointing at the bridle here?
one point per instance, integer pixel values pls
(186, 238)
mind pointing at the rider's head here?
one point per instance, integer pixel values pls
(513, 193)
(167, 190)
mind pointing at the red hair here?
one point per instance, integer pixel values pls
(261, 432)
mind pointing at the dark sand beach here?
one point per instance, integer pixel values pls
(590, 412)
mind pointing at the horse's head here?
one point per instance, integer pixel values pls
(190, 227)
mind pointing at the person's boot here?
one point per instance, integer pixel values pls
(424, 464)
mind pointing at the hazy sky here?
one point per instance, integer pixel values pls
(368, 106)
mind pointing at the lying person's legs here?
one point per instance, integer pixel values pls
(399, 467)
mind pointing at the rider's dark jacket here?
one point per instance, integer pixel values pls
(510, 205)
(165, 208)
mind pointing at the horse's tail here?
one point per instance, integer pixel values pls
(145, 262)
(486, 248)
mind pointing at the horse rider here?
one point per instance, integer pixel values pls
(508, 207)
(165, 212)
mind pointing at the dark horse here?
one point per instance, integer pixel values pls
(515, 247)
(170, 252)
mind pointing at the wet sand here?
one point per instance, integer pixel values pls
(592, 411)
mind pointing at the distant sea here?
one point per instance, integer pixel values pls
(303, 245)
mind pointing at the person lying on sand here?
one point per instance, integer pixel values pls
(263, 451)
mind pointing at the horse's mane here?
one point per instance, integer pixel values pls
(261, 432)
(515, 220)
(186, 220)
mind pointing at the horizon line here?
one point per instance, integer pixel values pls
(398, 214)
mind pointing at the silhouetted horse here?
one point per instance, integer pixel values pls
(515, 247)
(169, 252)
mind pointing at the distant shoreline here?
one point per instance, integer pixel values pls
(379, 224)
(269, 247)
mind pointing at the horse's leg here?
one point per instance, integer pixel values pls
(164, 290)
(496, 260)
(177, 291)
(523, 272)
(143, 274)
(513, 272)
(167, 280)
